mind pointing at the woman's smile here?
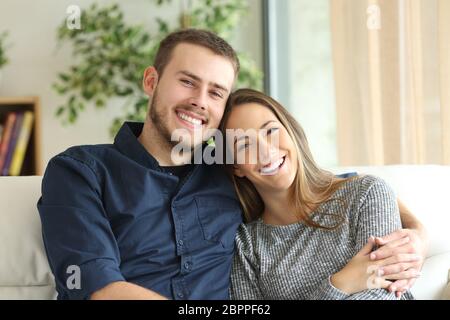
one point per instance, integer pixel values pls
(273, 167)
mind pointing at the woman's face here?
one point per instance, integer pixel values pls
(273, 165)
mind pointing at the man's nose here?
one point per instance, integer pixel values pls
(199, 99)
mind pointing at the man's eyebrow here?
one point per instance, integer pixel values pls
(197, 78)
(189, 74)
(220, 87)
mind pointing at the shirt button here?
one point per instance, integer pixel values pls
(180, 242)
(180, 295)
(187, 265)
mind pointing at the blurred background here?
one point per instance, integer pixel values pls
(368, 80)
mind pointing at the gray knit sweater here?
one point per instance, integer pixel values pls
(296, 261)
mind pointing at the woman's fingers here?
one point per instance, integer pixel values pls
(367, 247)
(398, 286)
(374, 282)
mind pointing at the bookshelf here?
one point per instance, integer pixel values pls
(32, 160)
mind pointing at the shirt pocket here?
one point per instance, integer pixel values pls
(219, 218)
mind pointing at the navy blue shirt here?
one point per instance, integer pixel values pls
(112, 211)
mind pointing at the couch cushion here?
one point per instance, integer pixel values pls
(431, 284)
(24, 269)
(446, 293)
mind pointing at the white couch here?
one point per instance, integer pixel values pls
(25, 274)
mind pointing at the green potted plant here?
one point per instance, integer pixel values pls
(3, 58)
(111, 55)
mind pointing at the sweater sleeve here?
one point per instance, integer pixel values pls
(244, 272)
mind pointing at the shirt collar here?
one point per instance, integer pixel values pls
(127, 142)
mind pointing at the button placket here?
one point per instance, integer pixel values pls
(186, 264)
(179, 236)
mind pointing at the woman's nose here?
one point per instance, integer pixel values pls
(267, 152)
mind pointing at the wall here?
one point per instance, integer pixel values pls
(36, 59)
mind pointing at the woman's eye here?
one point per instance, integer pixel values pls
(272, 130)
(244, 146)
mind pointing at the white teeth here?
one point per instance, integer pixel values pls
(272, 168)
(187, 118)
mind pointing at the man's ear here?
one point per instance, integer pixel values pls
(238, 172)
(150, 80)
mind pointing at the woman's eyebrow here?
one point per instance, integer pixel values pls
(266, 123)
(244, 136)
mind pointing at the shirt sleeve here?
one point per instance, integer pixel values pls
(244, 280)
(377, 215)
(76, 231)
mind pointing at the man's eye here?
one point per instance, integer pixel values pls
(189, 83)
(216, 94)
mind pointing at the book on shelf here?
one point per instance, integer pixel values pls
(22, 143)
(12, 143)
(6, 137)
(16, 137)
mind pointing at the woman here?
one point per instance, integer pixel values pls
(308, 233)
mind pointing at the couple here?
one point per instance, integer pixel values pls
(138, 225)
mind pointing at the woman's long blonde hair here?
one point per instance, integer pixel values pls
(311, 186)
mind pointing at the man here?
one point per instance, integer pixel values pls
(136, 224)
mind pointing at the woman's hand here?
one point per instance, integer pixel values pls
(360, 273)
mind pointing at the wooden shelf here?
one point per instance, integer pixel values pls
(32, 164)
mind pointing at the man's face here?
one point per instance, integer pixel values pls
(191, 93)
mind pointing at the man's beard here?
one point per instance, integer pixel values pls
(160, 121)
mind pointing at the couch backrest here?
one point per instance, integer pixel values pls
(24, 269)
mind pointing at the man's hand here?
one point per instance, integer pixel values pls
(122, 290)
(406, 252)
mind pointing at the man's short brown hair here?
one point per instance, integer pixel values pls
(198, 37)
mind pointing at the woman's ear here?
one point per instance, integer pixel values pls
(238, 172)
(150, 80)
